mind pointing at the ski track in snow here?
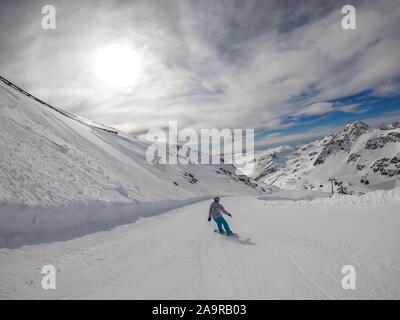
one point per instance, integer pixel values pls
(303, 273)
(280, 253)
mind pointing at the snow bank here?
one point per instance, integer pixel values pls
(309, 198)
(24, 219)
(293, 195)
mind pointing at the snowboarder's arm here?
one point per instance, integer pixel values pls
(224, 211)
(209, 212)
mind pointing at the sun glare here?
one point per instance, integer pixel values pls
(117, 64)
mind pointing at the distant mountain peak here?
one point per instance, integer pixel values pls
(356, 125)
(356, 128)
(342, 141)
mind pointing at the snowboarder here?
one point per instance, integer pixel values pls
(215, 212)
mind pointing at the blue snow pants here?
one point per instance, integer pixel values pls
(221, 221)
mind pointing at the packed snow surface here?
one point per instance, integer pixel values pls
(287, 249)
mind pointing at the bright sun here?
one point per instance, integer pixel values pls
(117, 64)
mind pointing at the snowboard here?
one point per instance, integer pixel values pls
(233, 234)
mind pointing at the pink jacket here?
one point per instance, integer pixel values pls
(215, 210)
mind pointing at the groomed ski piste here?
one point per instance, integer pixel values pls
(116, 227)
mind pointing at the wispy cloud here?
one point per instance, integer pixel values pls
(280, 138)
(207, 64)
(317, 108)
(320, 108)
(385, 118)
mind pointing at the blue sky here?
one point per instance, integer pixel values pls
(285, 68)
(370, 109)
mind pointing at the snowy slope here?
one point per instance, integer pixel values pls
(287, 249)
(85, 200)
(59, 170)
(359, 157)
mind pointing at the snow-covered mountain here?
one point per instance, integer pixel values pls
(359, 157)
(59, 170)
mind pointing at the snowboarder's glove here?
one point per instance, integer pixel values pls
(229, 215)
(209, 219)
